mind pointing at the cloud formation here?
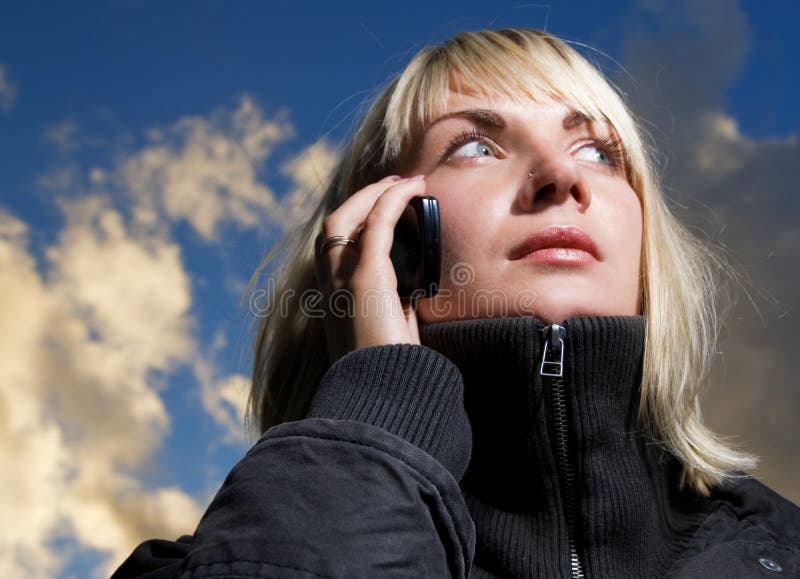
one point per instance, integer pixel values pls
(741, 192)
(309, 171)
(223, 397)
(93, 326)
(80, 411)
(205, 171)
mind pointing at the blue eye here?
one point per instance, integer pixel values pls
(606, 151)
(594, 154)
(474, 149)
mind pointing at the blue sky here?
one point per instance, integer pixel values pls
(150, 151)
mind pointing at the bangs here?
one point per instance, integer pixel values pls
(519, 65)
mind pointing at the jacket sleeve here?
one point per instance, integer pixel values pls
(365, 486)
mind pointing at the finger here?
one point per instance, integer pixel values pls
(339, 261)
(350, 215)
(378, 233)
(320, 268)
(347, 219)
(409, 310)
(334, 264)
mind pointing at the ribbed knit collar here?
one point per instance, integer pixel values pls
(631, 520)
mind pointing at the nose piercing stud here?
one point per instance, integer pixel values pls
(530, 175)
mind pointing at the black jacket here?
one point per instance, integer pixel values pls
(403, 469)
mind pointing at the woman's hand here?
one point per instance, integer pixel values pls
(359, 285)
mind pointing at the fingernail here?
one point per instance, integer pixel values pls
(417, 178)
(392, 178)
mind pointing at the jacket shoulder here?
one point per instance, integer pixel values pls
(750, 509)
(750, 530)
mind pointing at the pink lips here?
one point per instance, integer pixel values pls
(557, 244)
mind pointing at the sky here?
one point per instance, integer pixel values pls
(153, 151)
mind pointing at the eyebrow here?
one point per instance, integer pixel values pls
(486, 117)
(575, 119)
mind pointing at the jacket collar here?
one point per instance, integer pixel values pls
(626, 497)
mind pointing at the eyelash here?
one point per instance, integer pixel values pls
(464, 138)
(609, 145)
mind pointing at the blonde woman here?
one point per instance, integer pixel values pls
(539, 416)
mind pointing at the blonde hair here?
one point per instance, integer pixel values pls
(679, 287)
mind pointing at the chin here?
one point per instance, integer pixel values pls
(549, 305)
(557, 313)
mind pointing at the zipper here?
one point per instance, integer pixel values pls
(552, 373)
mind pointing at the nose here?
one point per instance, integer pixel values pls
(554, 182)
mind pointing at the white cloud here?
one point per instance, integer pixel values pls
(31, 443)
(134, 292)
(80, 411)
(224, 398)
(97, 176)
(90, 332)
(719, 145)
(8, 90)
(310, 172)
(205, 171)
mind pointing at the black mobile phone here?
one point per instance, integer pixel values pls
(416, 249)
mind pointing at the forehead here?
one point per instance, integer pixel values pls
(455, 98)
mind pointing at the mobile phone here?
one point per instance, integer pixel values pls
(416, 249)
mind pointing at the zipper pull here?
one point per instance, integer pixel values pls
(553, 355)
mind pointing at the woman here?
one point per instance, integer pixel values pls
(538, 417)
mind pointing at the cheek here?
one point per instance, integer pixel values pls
(471, 233)
(460, 222)
(474, 204)
(456, 234)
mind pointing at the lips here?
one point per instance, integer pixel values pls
(568, 237)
